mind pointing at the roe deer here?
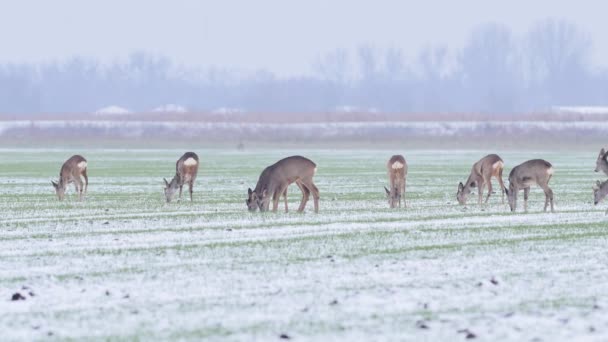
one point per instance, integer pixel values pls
(275, 179)
(535, 171)
(71, 171)
(481, 174)
(186, 169)
(397, 173)
(600, 190)
(602, 162)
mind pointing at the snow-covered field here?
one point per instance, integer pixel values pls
(125, 265)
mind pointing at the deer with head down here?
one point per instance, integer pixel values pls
(532, 172)
(186, 169)
(602, 162)
(275, 179)
(71, 172)
(481, 174)
(600, 190)
(397, 174)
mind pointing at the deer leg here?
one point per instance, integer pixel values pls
(526, 193)
(315, 193)
(86, 181)
(489, 181)
(305, 196)
(78, 186)
(276, 197)
(403, 194)
(480, 185)
(285, 197)
(502, 185)
(548, 197)
(180, 192)
(190, 185)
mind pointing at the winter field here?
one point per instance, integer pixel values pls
(124, 265)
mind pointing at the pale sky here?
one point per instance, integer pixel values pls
(279, 35)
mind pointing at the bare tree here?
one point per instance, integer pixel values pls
(557, 54)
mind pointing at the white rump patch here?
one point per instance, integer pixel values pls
(550, 171)
(397, 165)
(190, 162)
(498, 165)
(82, 165)
(314, 171)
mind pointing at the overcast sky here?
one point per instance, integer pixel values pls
(279, 35)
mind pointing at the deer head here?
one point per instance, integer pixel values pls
(600, 190)
(511, 193)
(171, 188)
(602, 159)
(59, 189)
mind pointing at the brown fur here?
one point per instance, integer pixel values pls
(184, 174)
(397, 178)
(481, 174)
(71, 172)
(276, 178)
(524, 175)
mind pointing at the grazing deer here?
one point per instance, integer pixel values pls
(481, 174)
(397, 173)
(600, 190)
(602, 162)
(276, 178)
(186, 169)
(535, 171)
(71, 171)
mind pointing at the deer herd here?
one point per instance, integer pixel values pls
(276, 178)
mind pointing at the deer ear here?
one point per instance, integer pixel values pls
(602, 151)
(249, 192)
(460, 186)
(166, 183)
(598, 183)
(387, 192)
(54, 184)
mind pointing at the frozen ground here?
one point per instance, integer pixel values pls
(125, 265)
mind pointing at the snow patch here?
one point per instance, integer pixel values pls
(170, 108)
(587, 110)
(112, 110)
(227, 110)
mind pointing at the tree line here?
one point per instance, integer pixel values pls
(495, 72)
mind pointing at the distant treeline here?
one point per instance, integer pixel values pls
(495, 72)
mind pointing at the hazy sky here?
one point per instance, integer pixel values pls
(279, 35)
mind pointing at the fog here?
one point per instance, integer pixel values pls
(390, 57)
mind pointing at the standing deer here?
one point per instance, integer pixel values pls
(397, 173)
(71, 171)
(535, 171)
(186, 169)
(600, 190)
(481, 174)
(276, 178)
(602, 162)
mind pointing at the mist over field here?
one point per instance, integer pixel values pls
(496, 71)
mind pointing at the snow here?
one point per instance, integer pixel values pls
(591, 110)
(227, 110)
(112, 110)
(125, 265)
(355, 109)
(170, 108)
